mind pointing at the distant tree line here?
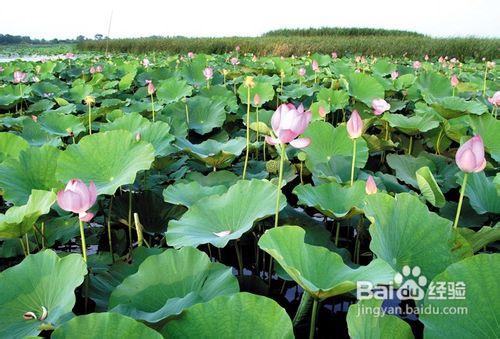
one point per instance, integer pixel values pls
(8, 39)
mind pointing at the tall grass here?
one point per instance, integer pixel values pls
(397, 46)
(338, 31)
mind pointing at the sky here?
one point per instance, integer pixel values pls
(68, 19)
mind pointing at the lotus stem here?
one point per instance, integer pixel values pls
(300, 172)
(460, 200)
(314, 312)
(187, 112)
(153, 107)
(110, 241)
(484, 79)
(138, 230)
(238, 256)
(23, 246)
(247, 151)
(21, 92)
(258, 135)
(438, 141)
(27, 243)
(130, 217)
(387, 131)
(84, 245)
(208, 83)
(410, 146)
(353, 160)
(453, 92)
(337, 233)
(90, 119)
(278, 190)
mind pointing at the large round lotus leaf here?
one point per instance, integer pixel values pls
(42, 279)
(61, 124)
(243, 315)
(205, 114)
(107, 325)
(327, 141)
(214, 153)
(489, 130)
(452, 107)
(365, 88)
(220, 93)
(332, 199)
(189, 193)
(319, 271)
(218, 219)
(11, 145)
(156, 133)
(482, 194)
(37, 136)
(296, 91)
(34, 169)
(433, 86)
(172, 90)
(377, 325)
(478, 276)
(336, 99)
(110, 159)
(79, 92)
(223, 177)
(405, 233)
(411, 125)
(40, 106)
(429, 187)
(18, 220)
(170, 282)
(264, 89)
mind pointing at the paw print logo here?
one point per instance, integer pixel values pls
(411, 283)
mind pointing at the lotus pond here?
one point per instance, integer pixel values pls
(230, 196)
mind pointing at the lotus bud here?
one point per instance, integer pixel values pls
(416, 65)
(145, 63)
(249, 83)
(355, 125)
(315, 66)
(302, 71)
(322, 111)
(454, 81)
(380, 106)
(370, 186)
(234, 61)
(490, 64)
(470, 156)
(151, 87)
(254, 58)
(426, 57)
(208, 73)
(256, 100)
(190, 55)
(394, 75)
(34, 118)
(334, 55)
(495, 99)
(237, 48)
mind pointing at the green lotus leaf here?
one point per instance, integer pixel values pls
(79, 92)
(213, 219)
(383, 67)
(296, 91)
(189, 193)
(486, 235)
(156, 133)
(45, 87)
(337, 99)
(110, 159)
(35, 135)
(327, 141)
(404, 81)
(452, 107)
(205, 114)
(332, 199)
(108, 325)
(481, 191)
(433, 86)
(184, 277)
(429, 187)
(223, 177)
(406, 166)
(214, 153)
(41, 279)
(18, 220)
(34, 169)
(481, 301)
(172, 90)
(11, 145)
(411, 125)
(127, 80)
(61, 124)
(239, 314)
(264, 89)
(220, 93)
(489, 130)
(41, 106)
(405, 232)
(377, 324)
(365, 88)
(319, 271)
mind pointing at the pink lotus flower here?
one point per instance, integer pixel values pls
(495, 99)
(256, 100)
(302, 71)
(380, 106)
(208, 73)
(417, 64)
(394, 75)
(1, 69)
(92, 70)
(334, 55)
(454, 81)
(490, 64)
(426, 57)
(237, 48)
(315, 66)
(151, 87)
(254, 58)
(145, 63)
(370, 186)
(34, 118)
(470, 156)
(288, 122)
(322, 111)
(190, 55)
(98, 69)
(441, 60)
(78, 198)
(19, 77)
(355, 125)
(69, 55)
(234, 61)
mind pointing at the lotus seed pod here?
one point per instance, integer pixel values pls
(272, 166)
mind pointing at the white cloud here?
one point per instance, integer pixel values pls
(66, 19)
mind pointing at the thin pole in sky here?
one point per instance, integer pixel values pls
(109, 30)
